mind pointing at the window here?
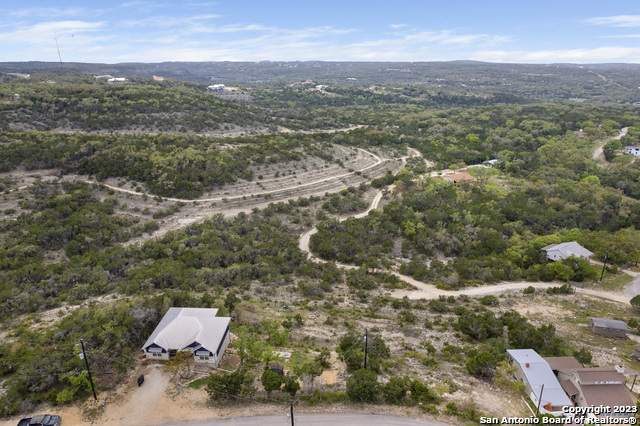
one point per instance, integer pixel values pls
(157, 353)
(204, 357)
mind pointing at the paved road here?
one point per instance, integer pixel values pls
(313, 420)
(633, 288)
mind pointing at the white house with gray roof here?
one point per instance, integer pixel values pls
(198, 330)
(564, 250)
(535, 373)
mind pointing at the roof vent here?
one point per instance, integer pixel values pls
(527, 365)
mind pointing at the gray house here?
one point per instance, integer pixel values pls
(609, 327)
(198, 330)
(564, 250)
(535, 372)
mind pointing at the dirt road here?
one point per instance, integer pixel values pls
(598, 152)
(429, 291)
(378, 161)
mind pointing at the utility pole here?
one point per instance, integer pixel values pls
(86, 361)
(292, 413)
(366, 347)
(604, 265)
(58, 48)
(539, 401)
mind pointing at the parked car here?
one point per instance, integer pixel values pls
(41, 420)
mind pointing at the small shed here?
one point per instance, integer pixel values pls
(636, 351)
(609, 327)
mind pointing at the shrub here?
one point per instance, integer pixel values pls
(396, 390)
(363, 386)
(583, 356)
(489, 300)
(482, 365)
(563, 289)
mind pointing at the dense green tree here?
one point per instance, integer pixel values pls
(395, 391)
(271, 381)
(363, 386)
(291, 385)
(228, 385)
(482, 365)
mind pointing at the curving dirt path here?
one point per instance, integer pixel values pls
(378, 161)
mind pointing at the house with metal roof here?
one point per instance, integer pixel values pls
(540, 383)
(609, 327)
(564, 250)
(198, 330)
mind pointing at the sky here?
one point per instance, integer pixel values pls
(540, 31)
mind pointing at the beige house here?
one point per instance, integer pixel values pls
(598, 386)
(198, 330)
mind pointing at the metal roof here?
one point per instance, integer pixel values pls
(538, 373)
(609, 323)
(568, 249)
(182, 327)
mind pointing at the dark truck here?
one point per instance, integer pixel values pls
(41, 420)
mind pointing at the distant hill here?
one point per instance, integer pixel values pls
(595, 82)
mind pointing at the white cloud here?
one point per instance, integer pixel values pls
(163, 22)
(397, 26)
(450, 37)
(616, 21)
(35, 34)
(136, 3)
(48, 12)
(601, 54)
(623, 36)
